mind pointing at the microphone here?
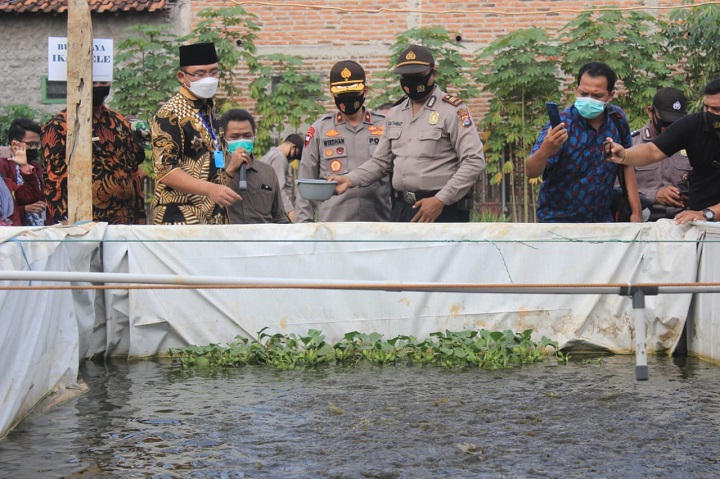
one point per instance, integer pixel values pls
(243, 178)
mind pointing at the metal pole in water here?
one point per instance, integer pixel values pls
(641, 368)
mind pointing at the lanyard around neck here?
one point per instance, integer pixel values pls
(209, 129)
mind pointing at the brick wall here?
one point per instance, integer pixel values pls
(331, 30)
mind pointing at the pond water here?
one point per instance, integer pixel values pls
(585, 419)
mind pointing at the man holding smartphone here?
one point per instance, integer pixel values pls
(577, 182)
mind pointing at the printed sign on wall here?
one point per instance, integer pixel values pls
(102, 59)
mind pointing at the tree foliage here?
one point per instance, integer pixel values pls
(146, 63)
(519, 71)
(631, 43)
(285, 95)
(693, 35)
(234, 31)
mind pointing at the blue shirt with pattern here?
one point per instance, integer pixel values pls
(578, 181)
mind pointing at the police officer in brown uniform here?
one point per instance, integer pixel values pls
(662, 182)
(429, 144)
(338, 143)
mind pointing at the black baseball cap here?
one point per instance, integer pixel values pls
(297, 141)
(670, 103)
(347, 76)
(414, 59)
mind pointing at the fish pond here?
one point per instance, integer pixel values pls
(585, 418)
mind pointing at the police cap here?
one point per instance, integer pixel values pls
(670, 103)
(347, 76)
(414, 59)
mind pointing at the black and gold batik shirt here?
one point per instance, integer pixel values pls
(182, 139)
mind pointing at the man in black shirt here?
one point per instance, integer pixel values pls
(699, 135)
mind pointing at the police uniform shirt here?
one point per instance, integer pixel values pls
(655, 176)
(261, 202)
(333, 146)
(280, 164)
(438, 150)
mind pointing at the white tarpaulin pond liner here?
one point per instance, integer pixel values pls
(44, 332)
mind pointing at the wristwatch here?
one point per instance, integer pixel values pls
(708, 214)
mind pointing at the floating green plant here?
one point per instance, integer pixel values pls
(480, 348)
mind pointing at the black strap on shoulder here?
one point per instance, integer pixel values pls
(623, 127)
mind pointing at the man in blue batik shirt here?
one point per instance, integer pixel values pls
(577, 181)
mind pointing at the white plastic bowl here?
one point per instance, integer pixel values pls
(315, 190)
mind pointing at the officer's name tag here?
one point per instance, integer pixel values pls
(219, 159)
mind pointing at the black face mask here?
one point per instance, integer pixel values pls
(31, 154)
(416, 87)
(713, 121)
(99, 94)
(349, 104)
(659, 124)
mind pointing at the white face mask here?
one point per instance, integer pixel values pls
(205, 87)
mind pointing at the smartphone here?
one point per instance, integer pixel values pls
(607, 149)
(5, 152)
(553, 113)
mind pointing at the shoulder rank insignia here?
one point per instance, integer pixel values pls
(453, 100)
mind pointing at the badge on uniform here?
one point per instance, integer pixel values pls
(219, 159)
(335, 166)
(309, 136)
(683, 152)
(464, 115)
(434, 118)
(375, 130)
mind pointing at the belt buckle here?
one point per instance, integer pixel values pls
(409, 197)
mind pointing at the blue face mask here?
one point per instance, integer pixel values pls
(241, 143)
(589, 108)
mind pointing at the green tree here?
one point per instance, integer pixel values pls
(453, 70)
(694, 39)
(630, 42)
(285, 94)
(519, 70)
(234, 31)
(145, 67)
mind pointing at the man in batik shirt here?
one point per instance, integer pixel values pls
(188, 158)
(117, 194)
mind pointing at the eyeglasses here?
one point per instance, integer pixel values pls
(31, 144)
(203, 74)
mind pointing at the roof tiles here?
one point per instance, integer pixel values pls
(97, 6)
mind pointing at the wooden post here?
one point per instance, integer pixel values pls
(79, 112)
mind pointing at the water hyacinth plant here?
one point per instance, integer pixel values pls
(479, 348)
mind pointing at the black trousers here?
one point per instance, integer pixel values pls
(403, 213)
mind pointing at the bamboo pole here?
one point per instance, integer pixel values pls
(79, 112)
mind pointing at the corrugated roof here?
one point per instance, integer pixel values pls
(98, 6)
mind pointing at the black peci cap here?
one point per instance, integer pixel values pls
(347, 76)
(414, 59)
(670, 103)
(198, 54)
